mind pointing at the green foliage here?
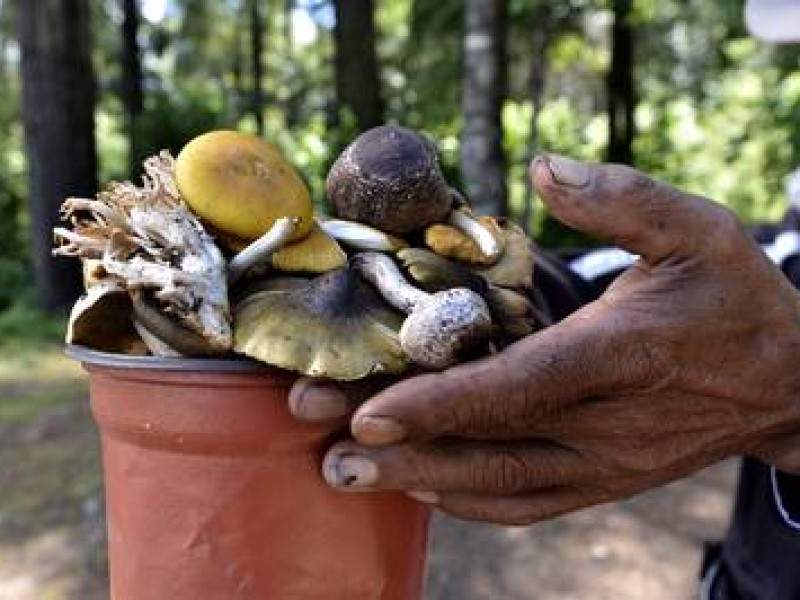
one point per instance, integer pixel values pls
(22, 323)
(718, 113)
(737, 142)
(14, 260)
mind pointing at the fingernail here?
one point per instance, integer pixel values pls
(350, 471)
(320, 403)
(424, 497)
(567, 171)
(378, 430)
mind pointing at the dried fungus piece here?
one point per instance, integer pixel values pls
(333, 326)
(101, 319)
(145, 238)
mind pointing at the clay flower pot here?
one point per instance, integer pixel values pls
(213, 491)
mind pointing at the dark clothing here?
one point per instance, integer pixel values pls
(761, 552)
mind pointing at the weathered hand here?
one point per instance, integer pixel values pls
(691, 356)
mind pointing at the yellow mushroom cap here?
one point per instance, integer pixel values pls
(241, 184)
(448, 241)
(334, 326)
(315, 253)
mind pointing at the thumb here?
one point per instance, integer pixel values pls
(635, 212)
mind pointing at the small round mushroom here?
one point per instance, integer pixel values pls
(389, 177)
(513, 314)
(333, 326)
(441, 328)
(316, 253)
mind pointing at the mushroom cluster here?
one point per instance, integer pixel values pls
(219, 252)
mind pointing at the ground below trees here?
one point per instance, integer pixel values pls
(52, 532)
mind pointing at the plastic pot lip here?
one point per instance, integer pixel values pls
(91, 357)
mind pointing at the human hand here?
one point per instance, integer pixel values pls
(689, 357)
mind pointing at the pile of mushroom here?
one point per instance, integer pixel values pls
(219, 252)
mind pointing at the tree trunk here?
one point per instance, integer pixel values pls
(293, 99)
(131, 89)
(542, 32)
(358, 85)
(483, 159)
(621, 92)
(58, 97)
(257, 59)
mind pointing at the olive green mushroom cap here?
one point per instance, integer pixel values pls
(336, 326)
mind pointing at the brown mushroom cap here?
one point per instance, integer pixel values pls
(389, 177)
(335, 326)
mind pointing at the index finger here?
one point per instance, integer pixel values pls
(503, 396)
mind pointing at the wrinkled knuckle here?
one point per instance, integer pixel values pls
(507, 472)
(649, 363)
(728, 231)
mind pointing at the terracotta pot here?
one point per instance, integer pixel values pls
(213, 492)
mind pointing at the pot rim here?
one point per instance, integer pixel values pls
(88, 356)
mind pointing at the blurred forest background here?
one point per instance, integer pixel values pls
(675, 87)
(90, 87)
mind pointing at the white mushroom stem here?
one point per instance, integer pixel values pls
(360, 236)
(261, 249)
(382, 272)
(476, 231)
(440, 328)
